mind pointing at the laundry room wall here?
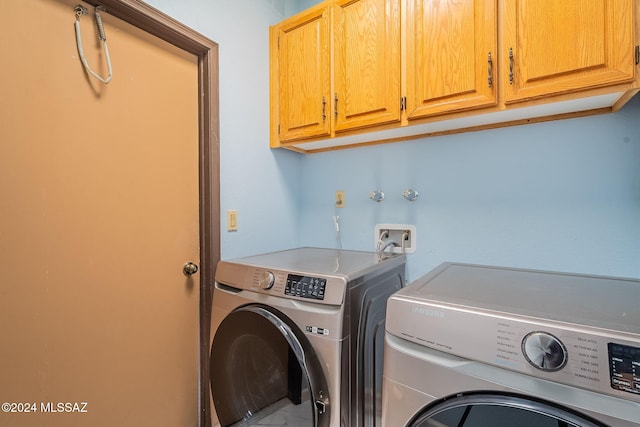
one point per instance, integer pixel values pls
(561, 195)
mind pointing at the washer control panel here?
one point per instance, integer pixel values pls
(624, 367)
(571, 329)
(581, 357)
(305, 287)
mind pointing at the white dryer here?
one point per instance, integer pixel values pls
(298, 337)
(471, 345)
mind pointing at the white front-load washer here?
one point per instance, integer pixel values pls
(298, 337)
(470, 345)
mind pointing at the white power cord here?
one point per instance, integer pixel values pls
(81, 10)
(336, 222)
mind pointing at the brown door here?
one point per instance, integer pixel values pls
(98, 214)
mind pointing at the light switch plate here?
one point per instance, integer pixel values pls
(232, 220)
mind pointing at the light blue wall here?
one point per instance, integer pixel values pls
(561, 195)
(306, 4)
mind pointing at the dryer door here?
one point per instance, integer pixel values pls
(264, 369)
(498, 410)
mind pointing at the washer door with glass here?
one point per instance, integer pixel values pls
(498, 410)
(263, 371)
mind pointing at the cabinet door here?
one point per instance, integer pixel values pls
(304, 76)
(451, 56)
(553, 47)
(367, 63)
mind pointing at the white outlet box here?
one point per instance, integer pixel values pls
(403, 235)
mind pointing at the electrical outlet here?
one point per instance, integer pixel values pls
(340, 199)
(398, 238)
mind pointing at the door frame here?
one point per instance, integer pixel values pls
(154, 22)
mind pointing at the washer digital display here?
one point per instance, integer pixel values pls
(624, 366)
(305, 286)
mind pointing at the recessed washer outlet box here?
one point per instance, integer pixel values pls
(398, 238)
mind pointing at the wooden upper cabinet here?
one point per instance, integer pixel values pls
(302, 67)
(552, 47)
(451, 58)
(366, 63)
(354, 72)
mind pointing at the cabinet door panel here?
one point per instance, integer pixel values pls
(451, 56)
(367, 63)
(565, 46)
(304, 77)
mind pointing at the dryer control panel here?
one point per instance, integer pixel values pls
(624, 366)
(305, 286)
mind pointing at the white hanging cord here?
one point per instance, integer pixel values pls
(81, 10)
(336, 222)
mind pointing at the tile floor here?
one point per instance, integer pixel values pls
(282, 414)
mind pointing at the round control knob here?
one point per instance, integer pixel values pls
(544, 351)
(266, 280)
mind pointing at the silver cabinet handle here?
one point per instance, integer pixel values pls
(490, 71)
(510, 66)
